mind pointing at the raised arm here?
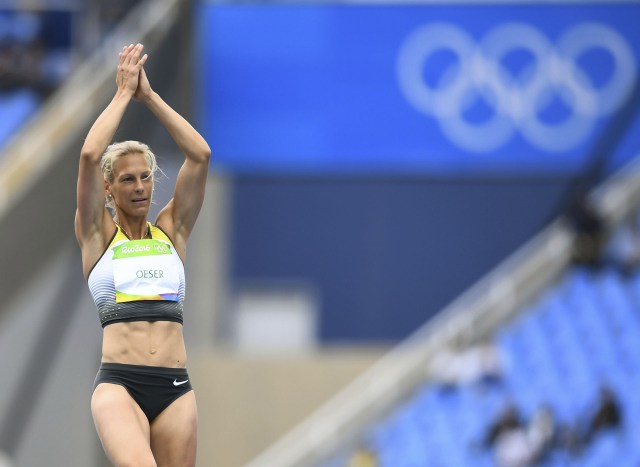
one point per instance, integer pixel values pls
(91, 213)
(180, 214)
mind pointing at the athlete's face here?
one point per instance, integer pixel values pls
(132, 185)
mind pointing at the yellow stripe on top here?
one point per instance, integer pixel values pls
(157, 233)
(119, 236)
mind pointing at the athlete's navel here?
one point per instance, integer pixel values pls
(152, 338)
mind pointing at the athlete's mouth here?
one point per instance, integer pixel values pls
(139, 200)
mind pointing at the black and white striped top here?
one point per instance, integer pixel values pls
(103, 286)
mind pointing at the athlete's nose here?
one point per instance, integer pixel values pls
(139, 188)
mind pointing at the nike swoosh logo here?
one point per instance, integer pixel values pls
(178, 383)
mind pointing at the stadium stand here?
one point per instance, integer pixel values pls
(581, 335)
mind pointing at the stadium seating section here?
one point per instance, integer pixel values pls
(580, 336)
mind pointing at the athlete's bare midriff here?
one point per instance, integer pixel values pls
(158, 343)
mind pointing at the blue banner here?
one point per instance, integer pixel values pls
(429, 89)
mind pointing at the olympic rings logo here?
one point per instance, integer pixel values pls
(516, 101)
(162, 248)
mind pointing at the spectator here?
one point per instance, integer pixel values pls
(508, 420)
(607, 415)
(519, 444)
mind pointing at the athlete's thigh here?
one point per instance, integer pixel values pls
(122, 426)
(174, 433)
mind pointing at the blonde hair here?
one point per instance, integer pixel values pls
(115, 151)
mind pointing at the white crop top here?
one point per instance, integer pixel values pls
(138, 280)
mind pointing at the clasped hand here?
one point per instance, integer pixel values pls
(131, 76)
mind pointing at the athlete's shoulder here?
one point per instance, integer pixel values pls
(157, 232)
(118, 236)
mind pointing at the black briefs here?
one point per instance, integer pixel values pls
(153, 388)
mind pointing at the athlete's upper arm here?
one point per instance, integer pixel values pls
(179, 216)
(90, 198)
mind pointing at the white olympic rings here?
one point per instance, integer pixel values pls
(161, 248)
(516, 102)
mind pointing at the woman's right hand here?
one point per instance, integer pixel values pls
(129, 68)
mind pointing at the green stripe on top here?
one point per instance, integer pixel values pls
(136, 248)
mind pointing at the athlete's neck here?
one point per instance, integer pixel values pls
(134, 230)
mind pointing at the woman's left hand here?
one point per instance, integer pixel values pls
(143, 90)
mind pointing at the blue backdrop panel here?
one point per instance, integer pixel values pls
(385, 255)
(435, 89)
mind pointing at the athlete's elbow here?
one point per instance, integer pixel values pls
(203, 155)
(90, 154)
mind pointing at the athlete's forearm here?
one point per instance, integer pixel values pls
(104, 128)
(190, 142)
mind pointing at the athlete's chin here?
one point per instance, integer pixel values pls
(140, 209)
